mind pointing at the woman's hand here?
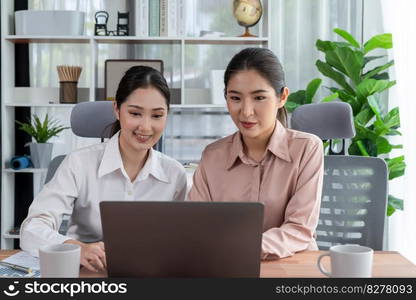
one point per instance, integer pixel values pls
(92, 255)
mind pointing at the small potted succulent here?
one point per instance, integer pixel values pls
(41, 132)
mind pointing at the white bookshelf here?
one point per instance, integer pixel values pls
(26, 170)
(24, 39)
(134, 39)
(46, 98)
(198, 105)
(10, 236)
(34, 104)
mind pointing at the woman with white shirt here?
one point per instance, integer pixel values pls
(123, 168)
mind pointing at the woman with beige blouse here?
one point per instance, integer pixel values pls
(264, 161)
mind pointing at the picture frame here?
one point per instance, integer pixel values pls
(115, 69)
(217, 87)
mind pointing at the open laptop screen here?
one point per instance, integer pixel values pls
(182, 239)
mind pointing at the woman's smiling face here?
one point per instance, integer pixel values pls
(142, 118)
(253, 104)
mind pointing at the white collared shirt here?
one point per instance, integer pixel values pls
(84, 179)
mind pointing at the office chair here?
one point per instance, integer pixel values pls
(354, 195)
(53, 166)
(88, 119)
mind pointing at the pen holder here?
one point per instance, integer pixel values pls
(68, 92)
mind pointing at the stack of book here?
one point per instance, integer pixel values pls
(159, 18)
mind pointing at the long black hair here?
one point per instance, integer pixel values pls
(139, 77)
(266, 64)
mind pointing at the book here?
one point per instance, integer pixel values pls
(168, 18)
(141, 18)
(154, 19)
(172, 18)
(163, 8)
(180, 20)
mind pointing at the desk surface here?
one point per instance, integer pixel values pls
(303, 264)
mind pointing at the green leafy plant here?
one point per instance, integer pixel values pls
(346, 63)
(41, 131)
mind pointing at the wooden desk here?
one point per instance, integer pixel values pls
(303, 264)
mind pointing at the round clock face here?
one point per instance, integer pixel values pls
(247, 12)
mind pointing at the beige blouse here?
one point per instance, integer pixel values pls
(288, 181)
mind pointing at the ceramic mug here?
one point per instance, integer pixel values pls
(348, 261)
(61, 260)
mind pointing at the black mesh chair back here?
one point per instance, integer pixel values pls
(354, 195)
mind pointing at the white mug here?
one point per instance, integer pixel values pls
(348, 261)
(61, 260)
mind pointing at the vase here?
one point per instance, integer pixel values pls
(41, 154)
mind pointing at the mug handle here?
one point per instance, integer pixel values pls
(321, 268)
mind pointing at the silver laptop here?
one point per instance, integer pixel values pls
(182, 239)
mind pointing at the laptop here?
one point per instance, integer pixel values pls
(182, 239)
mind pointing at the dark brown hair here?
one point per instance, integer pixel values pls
(266, 64)
(139, 77)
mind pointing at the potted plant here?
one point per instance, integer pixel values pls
(41, 132)
(346, 63)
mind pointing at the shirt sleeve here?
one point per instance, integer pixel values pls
(180, 194)
(40, 228)
(200, 188)
(302, 211)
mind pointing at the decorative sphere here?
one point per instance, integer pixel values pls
(247, 12)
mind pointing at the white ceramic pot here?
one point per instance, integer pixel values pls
(41, 154)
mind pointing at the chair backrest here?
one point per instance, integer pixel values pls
(53, 166)
(354, 196)
(354, 201)
(88, 119)
(331, 120)
(93, 119)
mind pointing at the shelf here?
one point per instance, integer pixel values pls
(225, 40)
(197, 106)
(58, 105)
(188, 160)
(135, 39)
(196, 137)
(24, 39)
(27, 170)
(11, 236)
(29, 104)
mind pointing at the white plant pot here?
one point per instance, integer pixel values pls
(41, 154)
